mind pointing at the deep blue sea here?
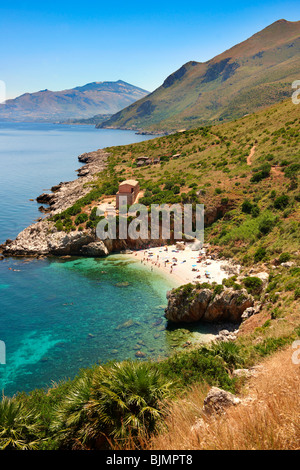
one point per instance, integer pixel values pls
(57, 316)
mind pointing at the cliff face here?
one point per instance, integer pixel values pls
(192, 304)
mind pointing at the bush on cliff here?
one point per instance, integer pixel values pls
(253, 284)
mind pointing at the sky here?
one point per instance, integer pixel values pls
(62, 44)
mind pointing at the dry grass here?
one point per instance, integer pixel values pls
(268, 418)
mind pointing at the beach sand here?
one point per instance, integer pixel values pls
(183, 266)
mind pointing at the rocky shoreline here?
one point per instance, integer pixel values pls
(42, 238)
(204, 305)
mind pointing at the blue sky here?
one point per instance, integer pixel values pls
(59, 45)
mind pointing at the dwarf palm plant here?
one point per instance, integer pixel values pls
(19, 427)
(70, 424)
(126, 399)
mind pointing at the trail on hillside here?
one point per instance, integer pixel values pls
(276, 171)
(249, 158)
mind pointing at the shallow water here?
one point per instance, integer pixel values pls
(60, 316)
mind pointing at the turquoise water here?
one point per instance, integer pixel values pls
(60, 315)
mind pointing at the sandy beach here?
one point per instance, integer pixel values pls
(183, 265)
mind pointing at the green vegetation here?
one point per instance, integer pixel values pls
(253, 284)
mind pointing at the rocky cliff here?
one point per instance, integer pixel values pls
(192, 303)
(42, 237)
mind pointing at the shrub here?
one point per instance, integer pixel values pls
(20, 428)
(266, 225)
(247, 206)
(59, 225)
(260, 254)
(126, 398)
(260, 173)
(218, 289)
(255, 210)
(253, 284)
(281, 202)
(81, 218)
(292, 170)
(284, 257)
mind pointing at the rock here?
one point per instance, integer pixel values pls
(185, 309)
(248, 313)
(42, 238)
(186, 305)
(94, 249)
(126, 324)
(229, 305)
(242, 373)
(224, 333)
(251, 311)
(263, 276)
(44, 198)
(287, 264)
(157, 322)
(140, 354)
(217, 400)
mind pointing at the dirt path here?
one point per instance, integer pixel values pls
(276, 171)
(249, 158)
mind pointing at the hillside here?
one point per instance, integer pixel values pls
(77, 103)
(251, 75)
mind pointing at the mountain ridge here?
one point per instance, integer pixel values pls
(81, 102)
(251, 75)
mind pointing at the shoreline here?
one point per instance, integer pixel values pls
(184, 266)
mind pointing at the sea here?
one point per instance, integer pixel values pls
(58, 316)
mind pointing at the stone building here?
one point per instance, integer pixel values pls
(129, 189)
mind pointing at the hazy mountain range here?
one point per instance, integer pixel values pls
(101, 98)
(251, 75)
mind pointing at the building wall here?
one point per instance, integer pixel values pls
(130, 198)
(131, 192)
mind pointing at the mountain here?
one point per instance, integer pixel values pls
(77, 103)
(251, 75)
